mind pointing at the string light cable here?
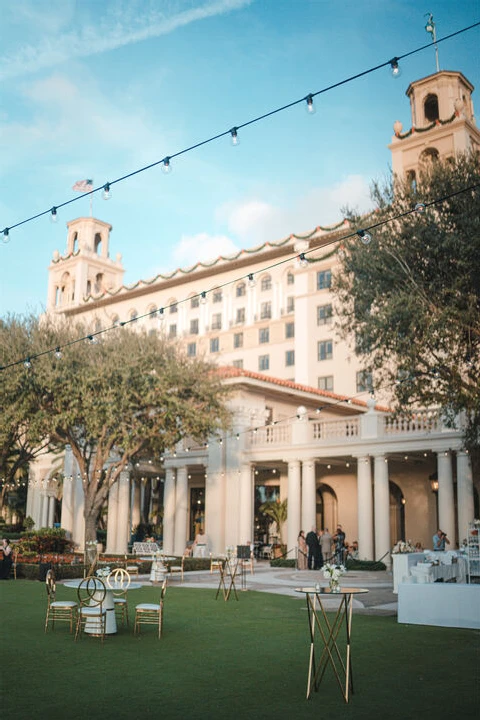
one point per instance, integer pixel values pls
(362, 234)
(165, 162)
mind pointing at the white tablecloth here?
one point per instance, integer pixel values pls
(443, 604)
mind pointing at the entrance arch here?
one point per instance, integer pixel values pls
(326, 511)
(397, 513)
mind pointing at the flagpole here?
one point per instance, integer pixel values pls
(91, 204)
(430, 28)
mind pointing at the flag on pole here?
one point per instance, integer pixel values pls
(83, 186)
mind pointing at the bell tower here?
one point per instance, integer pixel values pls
(442, 123)
(86, 269)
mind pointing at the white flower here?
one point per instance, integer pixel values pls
(333, 572)
(103, 572)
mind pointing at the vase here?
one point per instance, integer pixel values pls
(334, 586)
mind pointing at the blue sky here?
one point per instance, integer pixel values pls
(99, 88)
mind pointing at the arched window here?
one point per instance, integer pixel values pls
(98, 244)
(115, 321)
(290, 278)
(430, 108)
(266, 282)
(75, 242)
(240, 289)
(412, 179)
(428, 156)
(98, 282)
(89, 287)
(133, 315)
(152, 310)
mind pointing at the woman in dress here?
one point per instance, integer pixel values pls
(7, 560)
(302, 561)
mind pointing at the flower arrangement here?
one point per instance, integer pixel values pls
(403, 546)
(103, 572)
(333, 573)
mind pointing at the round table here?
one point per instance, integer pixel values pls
(109, 605)
(328, 631)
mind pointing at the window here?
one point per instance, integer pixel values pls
(325, 350)
(290, 358)
(217, 296)
(430, 107)
(172, 331)
(194, 327)
(324, 279)
(240, 290)
(214, 345)
(290, 330)
(192, 349)
(238, 340)
(264, 362)
(152, 312)
(98, 244)
(325, 383)
(266, 310)
(238, 364)
(240, 316)
(217, 321)
(412, 179)
(264, 335)
(195, 302)
(266, 282)
(290, 278)
(115, 321)
(324, 314)
(173, 307)
(134, 316)
(290, 304)
(364, 381)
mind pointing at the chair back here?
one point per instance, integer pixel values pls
(50, 585)
(91, 592)
(119, 581)
(163, 591)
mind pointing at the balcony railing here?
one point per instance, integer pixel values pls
(271, 435)
(335, 429)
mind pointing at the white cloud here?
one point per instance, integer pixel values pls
(135, 22)
(202, 247)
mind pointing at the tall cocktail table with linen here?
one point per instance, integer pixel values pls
(339, 657)
(111, 623)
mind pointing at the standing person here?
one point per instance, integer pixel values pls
(200, 545)
(313, 545)
(318, 552)
(439, 540)
(326, 545)
(7, 560)
(339, 540)
(302, 560)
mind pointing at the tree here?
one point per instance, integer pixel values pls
(277, 512)
(128, 395)
(411, 297)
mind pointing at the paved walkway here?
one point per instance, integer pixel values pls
(380, 600)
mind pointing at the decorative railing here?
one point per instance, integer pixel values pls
(271, 435)
(421, 421)
(336, 429)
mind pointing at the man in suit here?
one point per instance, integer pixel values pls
(314, 550)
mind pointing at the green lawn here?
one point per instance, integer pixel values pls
(216, 659)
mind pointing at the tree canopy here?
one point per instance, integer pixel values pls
(130, 394)
(411, 298)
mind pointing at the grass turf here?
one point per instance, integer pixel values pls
(216, 659)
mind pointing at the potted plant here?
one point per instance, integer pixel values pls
(276, 511)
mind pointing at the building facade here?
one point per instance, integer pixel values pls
(266, 315)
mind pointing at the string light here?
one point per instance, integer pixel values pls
(310, 105)
(419, 207)
(58, 353)
(6, 235)
(364, 236)
(235, 140)
(165, 163)
(250, 276)
(92, 339)
(27, 363)
(53, 215)
(395, 67)
(107, 193)
(203, 297)
(302, 260)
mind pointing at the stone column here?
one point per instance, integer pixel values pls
(169, 512)
(44, 520)
(123, 507)
(66, 518)
(135, 503)
(181, 510)
(465, 502)
(365, 508)
(382, 511)
(246, 505)
(293, 516)
(112, 518)
(309, 500)
(78, 512)
(51, 511)
(446, 503)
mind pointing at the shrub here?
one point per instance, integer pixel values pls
(373, 565)
(45, 540)
(283, 562)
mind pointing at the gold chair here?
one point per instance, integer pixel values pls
(119, 582)
(151, 613)
(91, 597)
(64, 610)
(215, 563)
(172, 569)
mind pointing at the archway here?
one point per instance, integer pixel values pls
(397, 514)
(326, 511)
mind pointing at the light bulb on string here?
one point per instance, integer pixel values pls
(58, 353)
(302, 260)
(234, 139)
(395, 68)
(6, 236)
(53, 215)
(251, 280)
(419, 207)
(161, 315)
(27, 363)
(310, 106)
(203, 297)
(107, 193)
(92, 339)
(166, 166)
(364, 236)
